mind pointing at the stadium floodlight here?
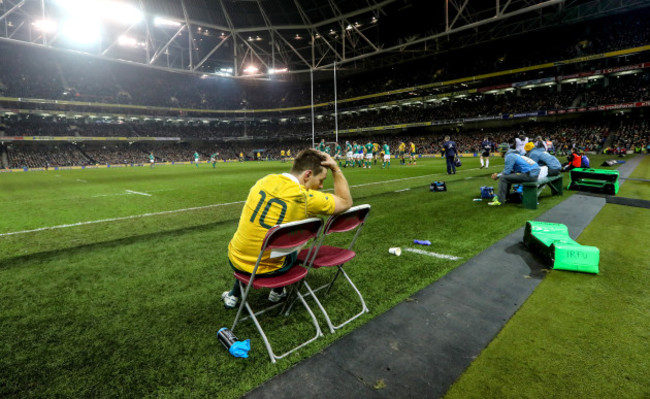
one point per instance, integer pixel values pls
(160, 21)
(122, 13)
(118, 12)
(82, 31)
(274, 71)
(251, 69)
(45, 25)
(127, 41)
(224, 72)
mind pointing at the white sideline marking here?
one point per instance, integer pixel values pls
(82, 181)
(136, 192)
(404, 189)
(117, 219)
(434, 254)
(212, 206)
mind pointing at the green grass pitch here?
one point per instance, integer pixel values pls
(111, 277)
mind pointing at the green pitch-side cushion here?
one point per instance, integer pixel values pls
(575, 257)
(552, 243)
(594, 180)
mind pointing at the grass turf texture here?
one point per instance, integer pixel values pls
(635, 188)
(131, 307)
(579, 335)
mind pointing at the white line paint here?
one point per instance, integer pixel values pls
(62, 226)
(433, 254)
(82, 181)
(208, 206)
(139, 193)
(405, 189)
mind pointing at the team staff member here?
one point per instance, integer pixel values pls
(449, 146)
(543, 158)
(486, 147)
(574, 161)
(518, 169)
(283, 198)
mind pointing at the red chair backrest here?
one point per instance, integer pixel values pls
(348, 220)
(292, 234)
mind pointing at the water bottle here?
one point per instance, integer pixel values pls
(422, 242)
(226, 337)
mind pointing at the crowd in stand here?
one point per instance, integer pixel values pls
(626, 135)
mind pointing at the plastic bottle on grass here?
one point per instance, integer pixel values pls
(422, 242)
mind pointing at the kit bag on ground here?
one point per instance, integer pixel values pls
(516, 196)
(487, 192)
(438, 186)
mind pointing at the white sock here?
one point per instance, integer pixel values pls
(487, 163)
(482, 162)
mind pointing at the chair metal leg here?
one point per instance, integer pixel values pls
(267, 343)
(328, 320)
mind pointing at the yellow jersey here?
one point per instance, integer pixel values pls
(274, 199)
(402, 147)
(412, 148)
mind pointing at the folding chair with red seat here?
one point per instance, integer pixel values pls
(281, 240)
(329, 256)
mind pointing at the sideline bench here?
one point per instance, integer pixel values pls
(534, 188)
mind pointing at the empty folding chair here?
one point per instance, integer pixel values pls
(280, 240)
(329, 256)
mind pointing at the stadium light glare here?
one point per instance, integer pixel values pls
(45, 25)
(159, 21)
(274, 71)
(82, 31)
(127, 41)
(116, 12)
(251, 69)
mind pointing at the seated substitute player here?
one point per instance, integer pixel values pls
(517, 169)
(283, 198)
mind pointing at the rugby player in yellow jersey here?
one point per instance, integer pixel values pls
(283, 198)
(400, 151)
(375, 151)
(412, 153)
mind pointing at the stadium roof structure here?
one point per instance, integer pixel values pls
(261, 38)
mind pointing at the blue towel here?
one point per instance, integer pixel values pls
(240, 348)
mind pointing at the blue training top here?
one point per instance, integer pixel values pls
(450, 148)
(544, 158)
(516, 163)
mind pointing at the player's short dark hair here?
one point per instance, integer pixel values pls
(308, 159)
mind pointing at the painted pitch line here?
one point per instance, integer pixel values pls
(62, 226)
(433, 254)
(404, 189)
(139, 193)
(192, 209)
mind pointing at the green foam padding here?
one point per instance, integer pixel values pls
(594, 180)
(551, 241)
